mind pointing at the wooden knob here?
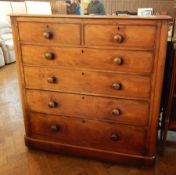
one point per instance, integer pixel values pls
(116, 112)
(118, 61)
(47, 35)
(49, 55)
(55, 128)
(52, 80)
(115, 137)
(52, 104)
(117, 86)
(118, 38)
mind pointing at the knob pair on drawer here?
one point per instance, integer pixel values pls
(51, 56)
(57, 128)
(119, 38)
(53, 80)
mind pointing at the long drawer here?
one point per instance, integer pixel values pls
(111, 60)
(89, 133)
(120, 35)
(50, 33)
(90, 107)
(99, 83)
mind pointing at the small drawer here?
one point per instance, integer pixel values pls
(90, 107)
(111, 60)
(120, 35)
(89, 133)
(50, 33)
(97, 83)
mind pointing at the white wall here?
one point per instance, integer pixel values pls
(7, 8)
(30, 7)
(36, 7)
(18, 7)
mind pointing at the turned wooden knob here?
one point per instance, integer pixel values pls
(55, 128)
(52, 104)
(115, 137)
(117, 86)
(52, 80)
(118, 61)
(116, 112)
(118, 38)
(49, 55)
(47, 35)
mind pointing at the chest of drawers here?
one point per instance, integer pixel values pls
(91, 86)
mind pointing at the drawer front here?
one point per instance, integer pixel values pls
(108, 84)
(122, 35)
(89, 133)
(112, 60)
(49, 33)
(90, 107)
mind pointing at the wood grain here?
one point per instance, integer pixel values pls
(17, 159)
(132, 61)
(77, 81)
(89, 133)
(133, 36)
(135, 86)
(61, 33)
(97, 108)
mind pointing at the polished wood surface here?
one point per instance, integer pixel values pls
(155, 17)
(106, 59)
(100, 85)
(117, 110)
(115, 35)
(47, 33)
(94, 134)
(16, 159)
(88, 82)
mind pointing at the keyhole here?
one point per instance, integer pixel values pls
(82, 73)
(82, 51)
(83, 121)
(83, 97)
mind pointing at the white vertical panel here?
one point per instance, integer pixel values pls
(5, 9)
(18, 7)
(36, 7)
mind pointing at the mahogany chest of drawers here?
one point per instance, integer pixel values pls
(91, 86)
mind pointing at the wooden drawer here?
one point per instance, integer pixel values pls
(120, 35)
(89, 133)
(90, 107)
(112, 60)
(99, 83)
(50, 33)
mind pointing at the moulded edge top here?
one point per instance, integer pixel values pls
(154, 17)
